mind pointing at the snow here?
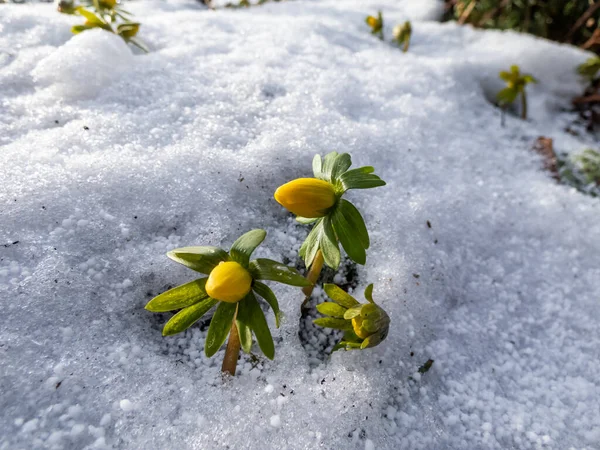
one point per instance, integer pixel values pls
(109, 159)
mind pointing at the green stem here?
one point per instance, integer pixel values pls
(523, 106)
(313, 275)
(232, 352)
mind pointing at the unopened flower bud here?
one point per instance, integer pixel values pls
(228, 282)
(306, 197)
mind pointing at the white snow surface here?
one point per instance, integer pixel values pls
(109, 159)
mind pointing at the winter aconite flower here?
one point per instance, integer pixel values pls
(365, 324)
(515, 86)
(307, 197)
(228, 282)
(232, 285)
(402, 35)
(376, 24)
(336, 220)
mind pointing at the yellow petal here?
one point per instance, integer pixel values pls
(306, 197)
(358, 330)
(228, 282)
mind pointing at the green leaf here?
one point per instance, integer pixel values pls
(340, 296)
(219, 327)
(360, 179)
(128, 30)
(329, 244)
(507, 95)
(505, 76)
(341, 164)
(243, 247)
(306, 221)
(328, 163)
(331, 309)
(351, 313)
(356, 222)
(267, 269)
(179, 297)
(76, 29)
(201, 259)
(259, 325)
(90, 16)
(346, 234)
(265, 292)
(369, 293)
(529, 79)
(188, 316)
(330, 322)
(346, 346)
(425, 367)
(317, 164)
(310, 246)
(138, 44)
(243, 325)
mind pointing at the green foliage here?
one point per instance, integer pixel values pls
(368, 320)
(573, 21)
(402, 35)
(376, 24)
(105, 14)
(590, 68)
(193, 301)
(343, 223)
(582, 171)
(515, 86)
(425, 367)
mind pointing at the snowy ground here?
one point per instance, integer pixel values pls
(109, 159)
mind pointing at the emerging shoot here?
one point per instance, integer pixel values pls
(365, 324)
(515, 86)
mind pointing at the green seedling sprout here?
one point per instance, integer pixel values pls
(365, 325)
(402, 35)
(319, 201)
(376, 24)
(515, 86)
(232, 285)
(106, 15)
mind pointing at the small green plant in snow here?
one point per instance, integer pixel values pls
(365, 324)
(232, 285)
(106, 15)
(402, 35)
(376, 24)
(515, 87)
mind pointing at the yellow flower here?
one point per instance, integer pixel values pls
(372, 22)
(358, 329)
(228, 282)
(306, 197)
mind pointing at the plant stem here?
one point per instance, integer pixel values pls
(313, 274)
(232, 352)
(523, 106)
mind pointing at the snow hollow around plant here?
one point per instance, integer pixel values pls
(108, 159)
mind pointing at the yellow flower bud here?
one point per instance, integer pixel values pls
(358, 329)
(306, 197)
(228, 282)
